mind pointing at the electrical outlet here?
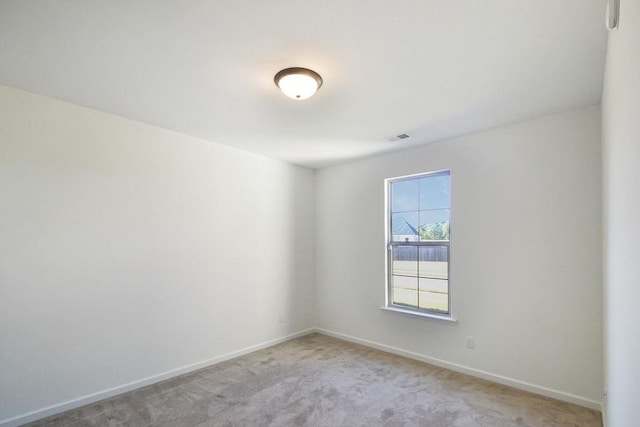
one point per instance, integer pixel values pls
(470, 343)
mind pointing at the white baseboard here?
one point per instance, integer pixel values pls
(114, 391)
(500, 379)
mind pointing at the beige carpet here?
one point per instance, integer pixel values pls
(321, 381)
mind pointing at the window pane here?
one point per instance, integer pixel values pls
(404, 227)
(434, 224)
(404, 275)
(434, 262)
(404, 196)
(435, 192)
(434, 295)
(433, 275)
(418, 234)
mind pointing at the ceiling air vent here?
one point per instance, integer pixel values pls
(399, 137)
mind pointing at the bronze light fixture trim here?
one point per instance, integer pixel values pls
(297, 82)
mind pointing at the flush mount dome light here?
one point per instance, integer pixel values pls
(298, 83)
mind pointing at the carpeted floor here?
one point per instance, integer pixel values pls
(321, 381)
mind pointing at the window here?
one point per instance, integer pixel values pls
(418, 235)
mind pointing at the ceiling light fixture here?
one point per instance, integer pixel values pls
(298, 83)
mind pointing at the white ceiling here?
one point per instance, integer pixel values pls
(431, 68)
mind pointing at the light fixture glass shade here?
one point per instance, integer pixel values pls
(298, 83)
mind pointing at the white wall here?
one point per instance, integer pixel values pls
(127, 251)
(621, 137)
(525, 255)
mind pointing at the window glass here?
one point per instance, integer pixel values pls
(434, 192)
(403, 196)
(418, 242)
(405, 226)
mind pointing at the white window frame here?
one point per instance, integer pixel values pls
(389, 243)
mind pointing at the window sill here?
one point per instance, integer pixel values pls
(444, 318)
